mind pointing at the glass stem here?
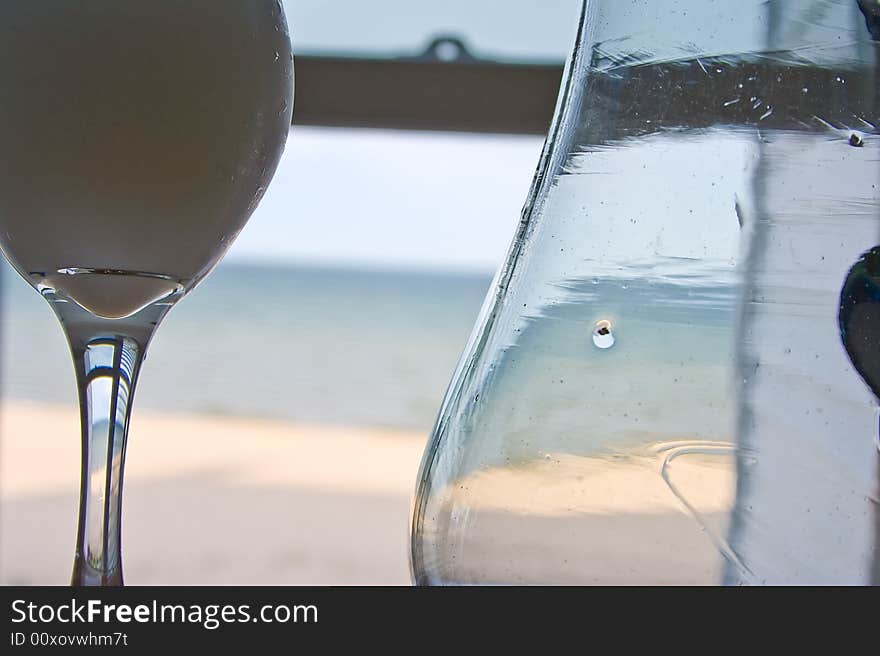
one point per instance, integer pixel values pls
(106, 373)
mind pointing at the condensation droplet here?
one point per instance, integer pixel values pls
(603, 337)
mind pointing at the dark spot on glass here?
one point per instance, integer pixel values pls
(859, 317)
(871, 11)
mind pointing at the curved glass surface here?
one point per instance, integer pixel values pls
(668, 381)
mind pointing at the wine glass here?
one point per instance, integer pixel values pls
(672, 378)
(136, 139)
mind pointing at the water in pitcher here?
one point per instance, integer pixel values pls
(661, 393)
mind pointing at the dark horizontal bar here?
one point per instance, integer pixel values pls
(413, 94)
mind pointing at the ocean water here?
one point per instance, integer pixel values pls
(307, 344)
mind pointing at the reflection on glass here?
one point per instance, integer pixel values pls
(658, 391)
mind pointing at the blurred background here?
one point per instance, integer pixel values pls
(284, 405)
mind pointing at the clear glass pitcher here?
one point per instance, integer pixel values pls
(671, 380)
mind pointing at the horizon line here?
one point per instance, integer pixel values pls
(355, 266)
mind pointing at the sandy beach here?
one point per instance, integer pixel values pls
(214, 500)
(223, 500)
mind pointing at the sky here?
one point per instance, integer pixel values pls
(393, 199)
(501, 29)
